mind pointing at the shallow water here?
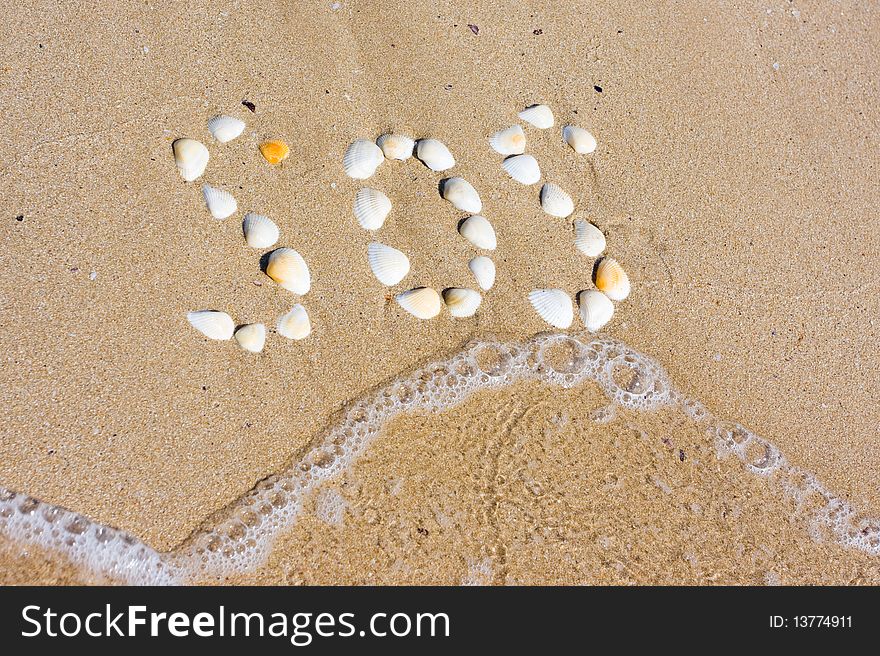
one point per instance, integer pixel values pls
(587, 458)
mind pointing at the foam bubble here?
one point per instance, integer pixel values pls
(239, 539)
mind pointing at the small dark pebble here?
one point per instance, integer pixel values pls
(20, 218)
(681, 455)
(597, 88)
(474, 28)
(448, 87)
(251, 106)
(423, 531)
(537, 32)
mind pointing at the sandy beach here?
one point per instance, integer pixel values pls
(735, 178)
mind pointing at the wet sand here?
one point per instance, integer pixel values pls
(735, 179)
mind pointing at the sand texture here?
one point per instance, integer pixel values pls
(735, 178)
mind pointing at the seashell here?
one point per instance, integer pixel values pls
(220, 203)
(538, 115)
(510, 141)
(555, 201)
(421, 302)
(289, 269)
(274, 151)
(389, 265)
(212, 324)
(478, 231)
(295, 324)
(523, 168)
(251, 337)
(361, 159)
(191, 157)
(259, 231)
(462, 302)
(579, 139)
(434, 154)
(484, 271)
(588, 239)
(371, 208)
(396, 146)
(462, 195)
(225, 128)
(596, 309)
(553, 306)
(612, 279)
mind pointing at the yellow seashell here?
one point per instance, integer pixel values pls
(612, 279)
(275, 151)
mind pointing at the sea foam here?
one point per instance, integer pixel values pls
(239, 538)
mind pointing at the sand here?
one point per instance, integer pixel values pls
(735, 178)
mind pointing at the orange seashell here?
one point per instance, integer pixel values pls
(612, 279)
(275, 151)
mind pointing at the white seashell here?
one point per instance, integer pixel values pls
(538, 115)
(361, 159)
(251, 337)
(484, 271)
(220, 203)
(259, 231)
(389, 265)
(596, 309)
(553, 306)
(510, 141)
(478, 231)
(371, 208)
(434, 154)
(421, 302)
(212, 324)
(396, 146)
(225, 128)
(588, 239)
(579, 139)
(289, 269)
(295, 324)
(523, 168)
(191, 157)
(555, 201)
(612, 279)
(462, 302)
(462, 195)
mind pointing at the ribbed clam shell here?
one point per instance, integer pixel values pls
(396, 146)
(225, 128)
(371, 208)
(221, 204)
(462, 302)
(388, 264)
(434, 154)
(191, 157)
(289, 269)
(484, 271)
(588, 239)
(295, 324)
(421, 302)
(462, 195)
(259, 231)
(251, 337)
(612, 279)
(510, 141)
(361, 159)
(579, 139)
(553, 306)
(538, 115)
(478, 231)
(555, 201)
(274, 151)
(595, 309)
(523, 168)
(212, 324)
